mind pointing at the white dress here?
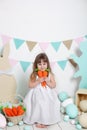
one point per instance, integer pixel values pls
(42, 106)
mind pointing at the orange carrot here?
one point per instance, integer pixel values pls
(42, 74)
(14, 110)
(9, 112)
(45, 73)
(43, 84)
(39, 73)
(20, 112)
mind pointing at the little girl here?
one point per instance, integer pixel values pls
(42, 104)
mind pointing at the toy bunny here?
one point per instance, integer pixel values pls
(7, 80)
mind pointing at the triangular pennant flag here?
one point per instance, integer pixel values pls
(24, 65)
(85, 36)
(52, 64)
(13, 62)
(56, 45)
(18, 42)
(78, 40)
(30, 45)
(5, 39)
(67, 43)
(62, 64)
(44, 45)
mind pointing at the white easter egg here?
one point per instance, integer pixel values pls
(72, 122)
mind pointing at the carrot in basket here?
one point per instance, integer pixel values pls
(19, 108)
(21, 112)
(14, 110)
(8, 112)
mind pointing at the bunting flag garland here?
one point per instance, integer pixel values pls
(55, 57)
(62, 64)
(56, 45)
(25, 65)
(68, 43)
(31, 45)
(18, 42)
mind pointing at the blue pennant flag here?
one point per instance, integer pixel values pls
(85, 36)
(56, 45)
(18, 42)
(62, 64)
(25, 65)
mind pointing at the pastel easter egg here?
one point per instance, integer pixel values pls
(10, 124)
(21, 123)
(2, 121)
(26, 128)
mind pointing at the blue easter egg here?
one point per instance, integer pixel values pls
(72, 110)
(10, 124)
(66, 118)
(21, 123)
(62, 96)
(26, 128)
(78, 126)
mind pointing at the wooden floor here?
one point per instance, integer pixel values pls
(60, 126)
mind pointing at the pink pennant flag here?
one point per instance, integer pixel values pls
(13, 62)
(78, 40)
(43, 45)
(5, 39)
(52, 64)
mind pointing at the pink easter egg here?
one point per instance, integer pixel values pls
(2, 121)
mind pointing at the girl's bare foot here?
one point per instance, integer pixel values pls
(41, 126)
(44, 126)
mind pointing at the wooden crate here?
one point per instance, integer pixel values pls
(81, 94)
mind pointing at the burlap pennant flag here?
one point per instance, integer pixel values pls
(31, 45)
(68, 44)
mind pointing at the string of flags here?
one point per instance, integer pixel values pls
(25, 64)
(18, 43)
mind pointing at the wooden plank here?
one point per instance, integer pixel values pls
(24, 126)
(15, 127)
(67, 126)
(5, 128)
(54, 127)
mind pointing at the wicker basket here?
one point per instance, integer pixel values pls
(14, 119)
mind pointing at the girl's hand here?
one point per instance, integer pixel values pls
(41, 80)
(46, 79)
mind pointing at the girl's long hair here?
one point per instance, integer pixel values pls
(39, 57)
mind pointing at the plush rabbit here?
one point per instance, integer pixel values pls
(7, 80)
